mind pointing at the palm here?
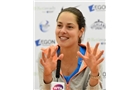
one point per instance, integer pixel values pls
(49, 65)
(48, 62)
(92, 58)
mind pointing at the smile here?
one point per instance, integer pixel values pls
(63, 38)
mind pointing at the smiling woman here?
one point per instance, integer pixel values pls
(80, 64)
(67, 30)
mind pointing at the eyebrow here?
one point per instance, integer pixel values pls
(67, 23)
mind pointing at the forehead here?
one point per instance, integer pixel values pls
(67, 17)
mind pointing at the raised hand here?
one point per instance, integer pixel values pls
(92, 59)
(47, 60)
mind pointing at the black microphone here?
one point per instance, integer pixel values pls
(58, 69)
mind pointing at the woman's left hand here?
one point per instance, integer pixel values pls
(92, 58)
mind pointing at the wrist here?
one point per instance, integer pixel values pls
(94, 79)
(47, 73)
(95, 76)
(95, 71)
(47, 78)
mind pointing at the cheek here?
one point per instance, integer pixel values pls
(74, 36)
(56, 32)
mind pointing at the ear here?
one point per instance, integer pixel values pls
(81, 32)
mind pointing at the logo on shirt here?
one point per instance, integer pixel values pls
(58, 87)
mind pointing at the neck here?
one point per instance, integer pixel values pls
(70, 53)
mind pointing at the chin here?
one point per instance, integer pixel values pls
(63, 44)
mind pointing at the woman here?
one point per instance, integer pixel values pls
(80, 64)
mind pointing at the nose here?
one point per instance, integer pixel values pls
(63, 30)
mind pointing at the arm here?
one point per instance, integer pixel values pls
(95, 84)
(47, 64)
(93, 59)
(42, 85)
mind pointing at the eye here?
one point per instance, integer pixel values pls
(59, 25)
(70, 27)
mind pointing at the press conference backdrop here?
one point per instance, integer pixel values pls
(45, 14)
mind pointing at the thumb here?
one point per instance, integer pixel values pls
(80, 55)
(61, 56)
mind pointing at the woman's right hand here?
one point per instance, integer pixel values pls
(48, 62)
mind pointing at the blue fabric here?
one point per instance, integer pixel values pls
(82, 50)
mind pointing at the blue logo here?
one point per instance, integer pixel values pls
(44, 42)
(97, 8)
(44, 26)
(91, 8)
(37, 42)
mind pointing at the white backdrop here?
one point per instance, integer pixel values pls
(45, 14)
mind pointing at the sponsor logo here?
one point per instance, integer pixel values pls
(77, 6)
(44, 26)
(103, 43)
(44, 42)
(95, 39)
(45, 9)
(94, 7)
(104, 74)
(58, 87)
(98, 25)
(100, 40)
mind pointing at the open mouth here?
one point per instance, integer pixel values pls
(63, 38)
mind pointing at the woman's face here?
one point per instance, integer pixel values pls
(67, 31)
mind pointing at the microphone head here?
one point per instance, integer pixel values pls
(58, 68)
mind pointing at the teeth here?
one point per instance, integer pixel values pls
(63, 38)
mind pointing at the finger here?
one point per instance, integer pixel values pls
(43, 56)
(42, 61)
(95, 49)
(61, 56)
(80, 55)
(54, 51)
(99, 61)
(49, 53)
(43, 49)
(100, 54)
(88, 48)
